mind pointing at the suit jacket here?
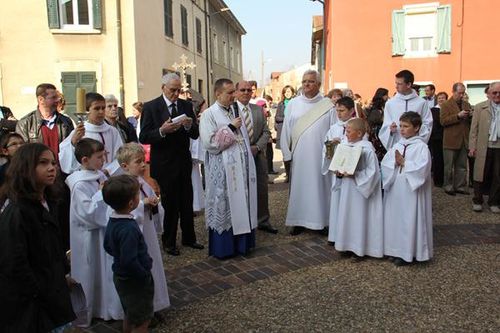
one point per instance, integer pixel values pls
(479, 136)
(261, 132)
(455, 130)
(170, 155)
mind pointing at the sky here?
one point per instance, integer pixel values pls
(280, 28)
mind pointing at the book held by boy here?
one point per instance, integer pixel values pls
(345, 159)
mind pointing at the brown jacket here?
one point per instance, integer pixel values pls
(479, 136)
(455, 130)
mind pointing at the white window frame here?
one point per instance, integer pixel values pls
(466, 83)
(77, 27)
(215, 46)
(416, 9)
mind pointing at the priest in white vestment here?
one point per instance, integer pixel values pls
(197, 156)
(406, 175)
(302, 139)
(405, 100)
(230, 177)
(95, 128)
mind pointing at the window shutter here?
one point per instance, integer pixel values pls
(443, 44)
(69, 82)
(97, 13)
(53, 14)
(167, 17)
(88, 81)
(398, 32)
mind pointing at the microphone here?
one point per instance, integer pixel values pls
(236, 110)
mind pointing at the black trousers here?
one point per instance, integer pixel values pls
(436, 148)
(269, 156)
(491, 180)
(262, 188)
(177, 200)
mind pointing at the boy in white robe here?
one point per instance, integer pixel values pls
(95, 128)
(90, 265)
(149, 215)
(356, 216)
(406, 170)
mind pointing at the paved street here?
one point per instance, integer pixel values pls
(298, 284)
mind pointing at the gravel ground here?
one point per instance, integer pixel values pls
(456, 292)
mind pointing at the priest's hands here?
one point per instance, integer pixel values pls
(79, 133)
(237, 122)
(152, 201)
(254, 150)
(169, 127)
(400, 160)
(394, 127)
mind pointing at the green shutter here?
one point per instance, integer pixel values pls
(53, 14)
(398, 32)
(97, 13)
(87, 81)
(443, 44)
(72, 80)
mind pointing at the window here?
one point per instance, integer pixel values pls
(215, 47)
(72, 80)
(74, 15)
(238, 66)
(200, 86)
(167, 18)
(224, 52)
(198, 36)
(188, 80)
(475, 90)
(421, 30)
(184, 26)
(232, 63)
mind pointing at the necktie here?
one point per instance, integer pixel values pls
(174, 112)
(248, 123)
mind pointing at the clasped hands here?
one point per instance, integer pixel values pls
(151, 201)
(400, 160)
(170, 127)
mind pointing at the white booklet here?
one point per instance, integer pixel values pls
(346, 158)
(180, 118)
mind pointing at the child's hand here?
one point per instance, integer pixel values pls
(400, 161)
(79, 134)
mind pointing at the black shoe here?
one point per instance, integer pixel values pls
(452, 193)
(400, 262)
(173, 251)
(272, 172)
(268, 228)
(356, 258)
(195, 245)
(346, 254)
(462, 192)
(324, 231)
(296, 231)
(331, 243)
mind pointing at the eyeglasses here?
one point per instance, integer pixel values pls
(175, 90)
(495, 92)
(113, 105)
(308, 81)
(245, 90)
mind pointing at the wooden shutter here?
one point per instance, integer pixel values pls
(97, 14)
(443, 44)
(72, 80)
(184, 26)
(167, 17)
(398, 32)
(53, 14)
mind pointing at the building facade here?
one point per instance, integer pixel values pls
(441, 42)
(119, 47)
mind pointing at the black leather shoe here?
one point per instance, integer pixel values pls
(400, 262)
(452, 193)
(195, 245)
(173, 251)
(296, 231)
(268, 228)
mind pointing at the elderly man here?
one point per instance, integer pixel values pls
(253, 119)
(405, 100)
(127, 132)
(455, 118)
(484, 144)
(309, 118)
(167, 124)
(231, 184)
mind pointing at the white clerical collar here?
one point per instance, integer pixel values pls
(167, 101)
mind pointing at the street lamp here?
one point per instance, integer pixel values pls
(262, 62)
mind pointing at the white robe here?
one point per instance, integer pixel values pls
(90, 264)
(408, 202)
(197, 155)
(150, 226)
(309, 189)
(393, 110)
(356, 215)
(112, 141)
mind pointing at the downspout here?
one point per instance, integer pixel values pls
(120, 50)
(461, 26)
(208, 50)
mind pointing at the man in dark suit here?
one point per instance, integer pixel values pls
(171, 159)
(253, 118)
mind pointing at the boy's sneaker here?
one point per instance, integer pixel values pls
(495, 209)
(477, 207)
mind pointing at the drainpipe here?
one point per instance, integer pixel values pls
(208, 50)
(120, 50)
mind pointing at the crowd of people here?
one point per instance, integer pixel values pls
(86, 187)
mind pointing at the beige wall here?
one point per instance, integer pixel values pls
(31, 54)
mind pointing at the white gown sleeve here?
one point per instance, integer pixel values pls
(67, 159)
(368, 178)
(91, 211)
(418, 169)
(286, 137)
(385, 136)
(389, 169)
(427, 122)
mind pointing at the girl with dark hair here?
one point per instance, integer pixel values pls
(33, 288)
(375, 118)
(287, 93)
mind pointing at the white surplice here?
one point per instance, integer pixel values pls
(230, 176)
(90, 264)
(104, 133)
(408, 201)
(356, 215)
(197, 156)
(393, 110)
(309, 200)
(151, 224)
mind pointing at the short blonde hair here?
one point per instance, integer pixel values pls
(357, 124)
(128, 151)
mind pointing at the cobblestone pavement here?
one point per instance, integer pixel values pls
(199, 278)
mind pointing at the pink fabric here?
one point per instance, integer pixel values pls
(224, 138)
